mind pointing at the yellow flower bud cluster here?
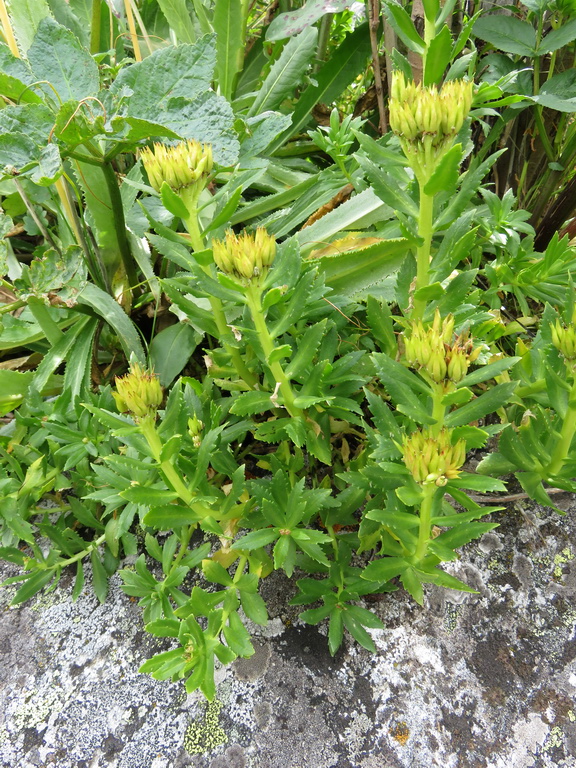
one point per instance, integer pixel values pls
(139, 392)
(195, 427)
(417, 111)
(245, 256)
(564, 339)
(427, 119)
(433, 458)
(435, 350)
(179, 166)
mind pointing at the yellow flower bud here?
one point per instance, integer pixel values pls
(195, 427)
(246, 256)
(433, 458)
(179, 166)
(564, 339)
(139, 392)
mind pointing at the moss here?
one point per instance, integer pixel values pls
(205, 734)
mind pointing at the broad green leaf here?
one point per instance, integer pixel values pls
(208, 118)
(286, 72)
(335, 630)
(559, 92)
(387, 188)
(216, 573)
(293, 23)
(183, 70)
(358, 632)
(438, 57)
(32, 585)
(104, 305)
(99, 577)
(228, 21)
(384, 569)
(237, 636)
(496, 464)
(443, 579)
(488, 371)
(251, 402)
(34, 120)
(13, 388)
(65, 15)
(507, 33)
(26, 16)
(178, 17)
(446, 172)
(171, 350)
(488, 402)
(17, 152)
(164, 628)
(57, 56)
(343, 66)
(254, 607)
(256, 539)
(78, 362)
(400, 20)
(147, 496)
(173, 202)
(558, 38)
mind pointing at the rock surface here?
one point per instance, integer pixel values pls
(467, 681)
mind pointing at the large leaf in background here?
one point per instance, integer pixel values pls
(172, 88)
(178, 17)
(25, 16)
(171, 349)
(559, 92)
(57, 56)
(351, 273)
(558, 38)
(184, 70)
(104, 305)
(344, 65)
(228, 24)
(286, 72)
(207, 118)
(34, 120)
(290, 24)
(507, 33)
(15, 76)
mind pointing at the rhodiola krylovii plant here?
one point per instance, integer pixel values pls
(243, 333)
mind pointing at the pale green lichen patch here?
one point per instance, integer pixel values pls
(37, 708)
(554, 740)
(206, 734)
(451, 617)
(561, 559)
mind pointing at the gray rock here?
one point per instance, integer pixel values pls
(486, 680)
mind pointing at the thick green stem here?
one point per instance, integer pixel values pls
(428, 490)
(95, 26)
(425, 231)
(120, 224)
(253, 297)
(193, 228)
(168, 470)
(562, 450)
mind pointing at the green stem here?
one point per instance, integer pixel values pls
(184, 542)
(95, 26)
(197, 242)
(438, 409)
(80, 555)
(253, 298)
(425, 231)
(12, 307)
(120, 224)
(567, 433)
(428, 490)
(323, 40)
(173, 479)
